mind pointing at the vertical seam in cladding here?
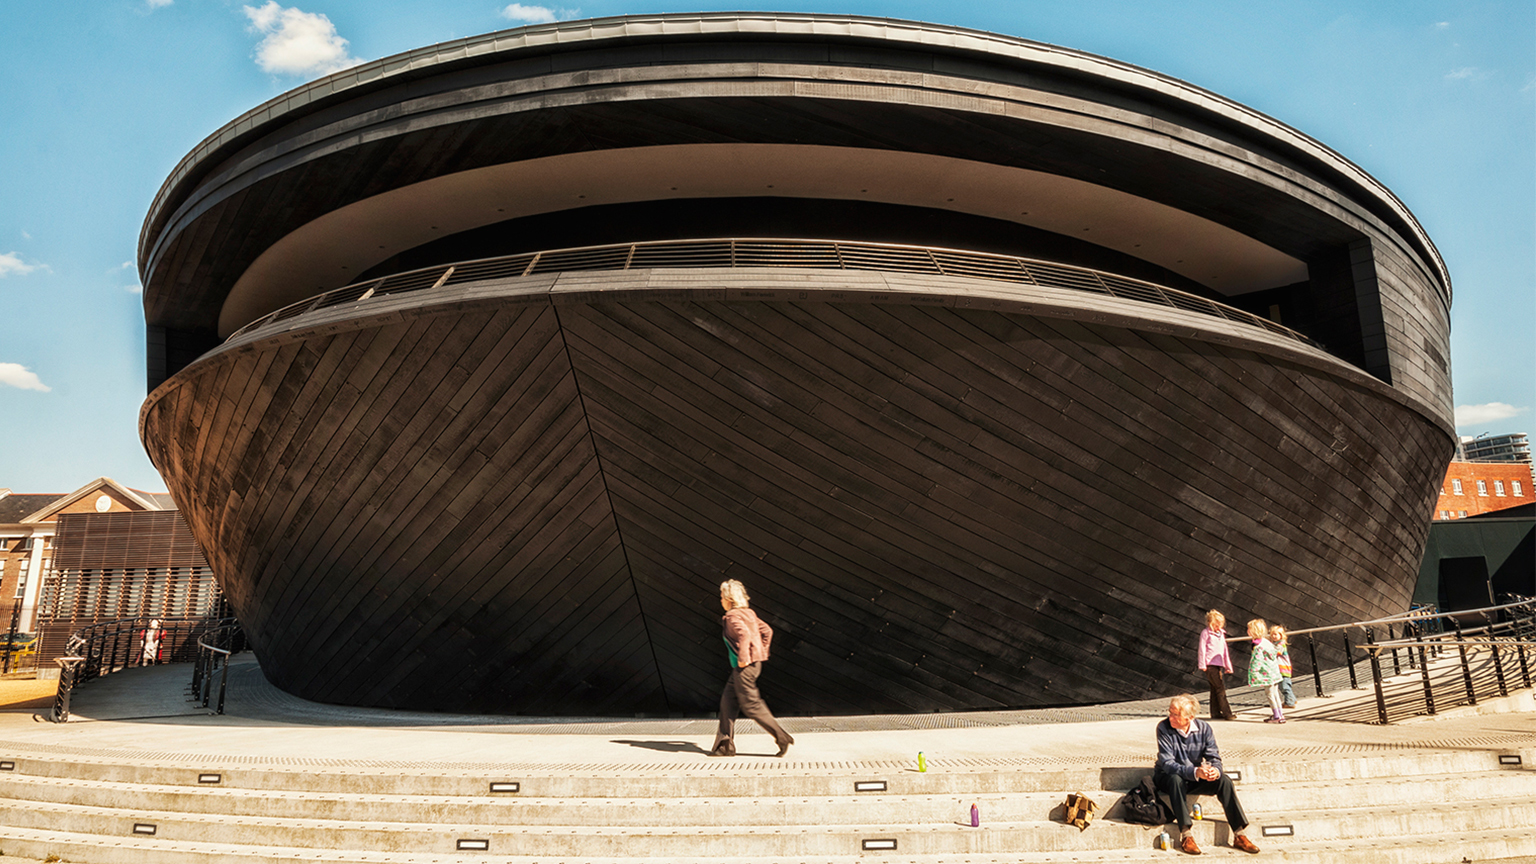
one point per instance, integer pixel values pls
(613, 513)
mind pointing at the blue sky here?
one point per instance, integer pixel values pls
(101, 98)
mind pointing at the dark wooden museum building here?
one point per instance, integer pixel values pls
(987, 365)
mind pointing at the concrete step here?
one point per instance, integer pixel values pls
(780, 836)
(765, 778)
(1461, 846)
(696, 811)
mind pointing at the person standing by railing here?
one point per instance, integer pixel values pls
(1213, 660)
(152, 635)
(1264, 668)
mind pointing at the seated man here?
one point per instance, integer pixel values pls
(1188, 763)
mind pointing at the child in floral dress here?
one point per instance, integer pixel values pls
(1264, 667)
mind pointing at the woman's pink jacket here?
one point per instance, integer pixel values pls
(748, 635)
(1213, 650)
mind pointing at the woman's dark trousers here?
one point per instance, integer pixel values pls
(741, 698)
(1178, 791)
(1220, 710)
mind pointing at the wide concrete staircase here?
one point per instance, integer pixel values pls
(1429, 804)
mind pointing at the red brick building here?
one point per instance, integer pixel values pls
(1471, 488)
(27, 527)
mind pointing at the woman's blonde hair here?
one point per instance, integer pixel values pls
(1257, 630)
(1276, 633)
(1215, 620)
(735, 592)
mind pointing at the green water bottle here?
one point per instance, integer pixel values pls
(922, 764)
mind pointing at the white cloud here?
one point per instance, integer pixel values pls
(295, 42)
(1477, 415)
(26, 236)
(157, 4)
(19, 376)
(134, 289)
(10, 262)
(1466, 73)
(1442, 25)
(536, 14)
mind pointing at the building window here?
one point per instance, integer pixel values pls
(1456, 487)
(21, 584)
(1482, 488)
(1498, 488)
(1518, 490)
(1463, 515)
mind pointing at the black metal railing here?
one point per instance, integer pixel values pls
(765, 252)
(1426, 661)
(111, 646)
(214, 648)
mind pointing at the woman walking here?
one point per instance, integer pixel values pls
(746, 644)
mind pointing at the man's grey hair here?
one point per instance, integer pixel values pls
(1188, 705)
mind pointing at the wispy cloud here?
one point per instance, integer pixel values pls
(11, 264)
(1467, 73)
(1491, 412)
(26, 236)
(537, 14)
(20, 377)
(1442, 25)
(135, 288)
(295, 42)
(158, 4)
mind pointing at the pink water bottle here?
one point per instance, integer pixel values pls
(975, 817)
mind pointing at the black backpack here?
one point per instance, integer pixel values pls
(1143, 807)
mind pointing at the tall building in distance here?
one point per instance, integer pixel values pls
(476, 369)
(1512, 447)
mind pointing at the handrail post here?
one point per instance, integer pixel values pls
(223, 684)
(1396, 669)
(1381, 699)
(1466, 668)
(197, 672)
(1429, 693)
(1498, 662)
(1354, 683)
(68, 668)
(1413, 659)
(1520, 633)
(1317, 673)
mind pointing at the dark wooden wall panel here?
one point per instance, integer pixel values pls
(528, 508)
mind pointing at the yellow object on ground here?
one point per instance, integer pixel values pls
(27, 693)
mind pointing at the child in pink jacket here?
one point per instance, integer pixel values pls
(1214, 661)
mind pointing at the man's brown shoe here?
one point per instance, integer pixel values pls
(1187, 844)
(1241, 841)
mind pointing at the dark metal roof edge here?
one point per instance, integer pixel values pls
(560, 35)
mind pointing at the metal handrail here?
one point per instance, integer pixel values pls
(1421, 647)
(737, 252)
(211, 657)
(106, 647)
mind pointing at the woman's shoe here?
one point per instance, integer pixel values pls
(724, 748)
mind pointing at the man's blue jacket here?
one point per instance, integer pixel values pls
(1180, 754)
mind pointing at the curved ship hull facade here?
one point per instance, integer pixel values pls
(987, 365)
(516, 506)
